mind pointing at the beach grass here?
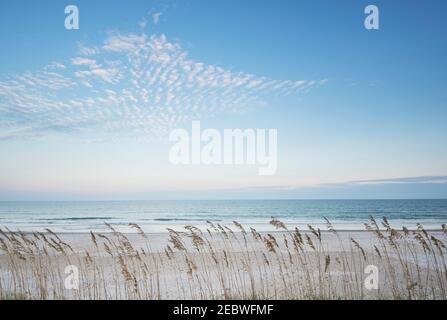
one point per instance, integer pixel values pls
(228, 262)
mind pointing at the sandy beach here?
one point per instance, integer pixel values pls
(225, 262)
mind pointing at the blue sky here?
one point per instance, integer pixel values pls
(79, 122)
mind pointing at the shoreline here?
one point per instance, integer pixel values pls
(307, 230)
(87, 233)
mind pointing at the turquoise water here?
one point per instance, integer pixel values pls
(156, 216)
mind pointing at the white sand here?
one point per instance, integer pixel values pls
(238, 271)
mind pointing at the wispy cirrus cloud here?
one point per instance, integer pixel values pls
(131, 83)
(405, 180)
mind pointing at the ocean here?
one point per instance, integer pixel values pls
(156, 216)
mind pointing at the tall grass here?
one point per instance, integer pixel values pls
(228, 262)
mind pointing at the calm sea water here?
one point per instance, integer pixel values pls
(156, 216)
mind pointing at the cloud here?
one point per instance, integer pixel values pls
(156, 17)
(80, 61)
(421, 187)
(124, 43)
(423, 179)
(86, 51)
(142, 23)
(135, 84)
(55, 65)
